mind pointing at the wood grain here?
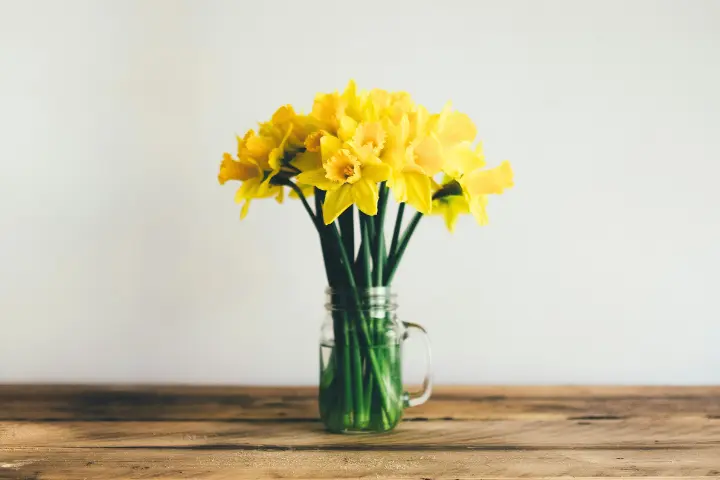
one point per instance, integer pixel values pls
(463, 432)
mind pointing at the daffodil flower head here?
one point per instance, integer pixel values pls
(355, 140)
(350, 174)
(477, 185)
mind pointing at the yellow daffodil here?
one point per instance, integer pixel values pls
(350, 174)
(354, 140)
(296, 128)
(477, 185)
(415, 156)
(339, 113)
(251, 176)
(391, 105)
(251, 168)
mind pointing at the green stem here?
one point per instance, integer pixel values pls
(365, 245)
(330, 272)
(347, 229)
(402, 246)
(347, 372)
(358, 400)
(361, 416)
(396, 231)
(361, 322)
(380, 237)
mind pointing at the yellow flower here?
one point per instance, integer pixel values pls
(353, 140)
(285, 122)
(462, 158)
(251, 168)
(391, 105)
(484, 182)
(415, 157)
(231, 169)
(267, 148)
(453, 127)
(328, 109)
(477, 185)
(254, 148)
(455, 132)
(277, 154)
(256, 188)
(349, 174)
(310, 159)
(331, 109)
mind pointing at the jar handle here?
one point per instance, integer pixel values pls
(413, 400)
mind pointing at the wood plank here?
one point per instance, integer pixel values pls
(263, 403)
(256, 432)
(230, 464)
(647, 434)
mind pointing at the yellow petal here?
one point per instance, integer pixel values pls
(457, 127)
(325, 110)
(351, 101)
(419, 122)
(427, 154)
(277, 154)
(248, 189)
(244, 209)
(494, 180)
(418, 191)
(365, 195)
(350, 92)
(275, 159)
(477, 208)
(395, 158)
(316, 178)
(307, 190)
(328, 146)
(347, 128)
(378, 172)
(306, 161)
(397, 185)
(336, 202)
(451, 208)
(283, 114)
(461, 159)
(258, 146)
(230, 169)
(451, 217)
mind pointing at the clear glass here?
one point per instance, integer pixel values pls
(361, 387)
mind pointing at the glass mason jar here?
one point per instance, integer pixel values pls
(361, 387)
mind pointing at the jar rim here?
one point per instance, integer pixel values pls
(364, 291)
(345, 298)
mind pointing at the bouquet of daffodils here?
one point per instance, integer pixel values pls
(358, 149)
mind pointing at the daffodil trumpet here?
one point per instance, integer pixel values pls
(355, 152)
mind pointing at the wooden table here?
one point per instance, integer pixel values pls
(463, 432)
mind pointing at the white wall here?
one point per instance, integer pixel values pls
(121, 259)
